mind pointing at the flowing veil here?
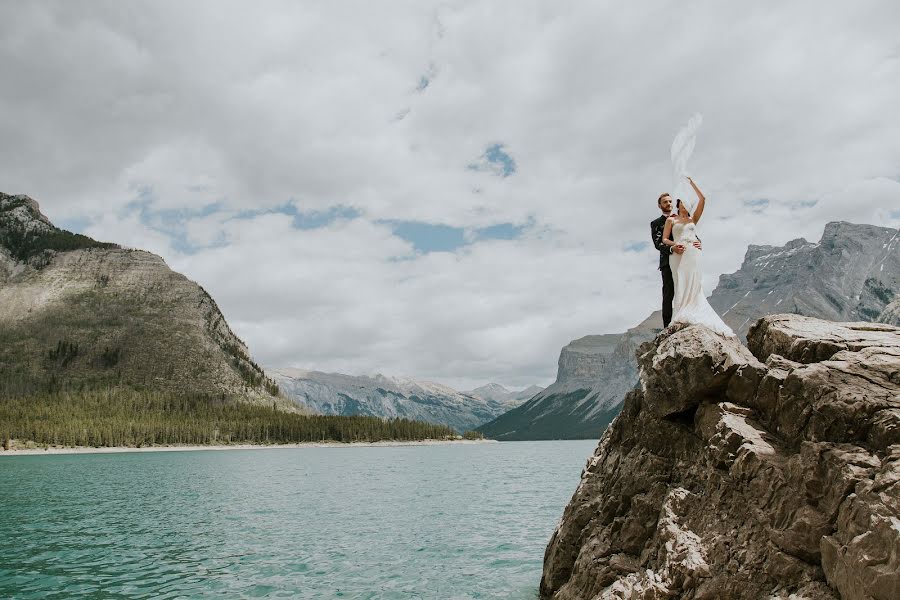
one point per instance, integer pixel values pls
(682, 149)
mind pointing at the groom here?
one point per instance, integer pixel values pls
(664, 202)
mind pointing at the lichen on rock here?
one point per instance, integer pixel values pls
(764, 472)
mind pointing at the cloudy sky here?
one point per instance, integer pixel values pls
(446, 190)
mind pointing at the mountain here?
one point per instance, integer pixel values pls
(852, 273)
(498, 393)
(80, 314)
(891, 313)
(764, 472)
(381, 396)
(580, 403)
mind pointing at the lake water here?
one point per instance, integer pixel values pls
(450, 521)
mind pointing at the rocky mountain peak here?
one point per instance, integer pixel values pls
(28, 238)
(756, 252)
(490, 389)
(509, 398)
(843, 230)
(82, 313)
(24, 213)
(852, 273)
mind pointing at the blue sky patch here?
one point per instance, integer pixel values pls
(757, 205)
(495, 160)
(171, 222)
(804, 204)
(428, 237)
(322, 218)
(168, 220)
(634, 246)
(309, 219)
(163, 219)
(174, 218)
(502, 231)
(426, 79)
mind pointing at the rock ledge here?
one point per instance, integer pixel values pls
(764, 472)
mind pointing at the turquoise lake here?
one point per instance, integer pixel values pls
(443, 522)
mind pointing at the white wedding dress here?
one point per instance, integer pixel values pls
(690, 304)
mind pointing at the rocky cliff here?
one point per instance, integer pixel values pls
(390, 397)
(579, 404)
(764, 472)
(79, 313)
(852, 273)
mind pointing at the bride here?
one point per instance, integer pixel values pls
(690, 304)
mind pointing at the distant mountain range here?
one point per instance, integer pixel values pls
(80, 314)
(497, 393)
(851, 274)
(381, 396)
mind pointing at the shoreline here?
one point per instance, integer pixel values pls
(55, 450)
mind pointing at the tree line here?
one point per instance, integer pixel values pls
(133, 418)
(24, 243)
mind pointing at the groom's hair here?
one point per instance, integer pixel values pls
(661, 196)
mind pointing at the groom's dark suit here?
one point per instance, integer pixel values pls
(668, 285)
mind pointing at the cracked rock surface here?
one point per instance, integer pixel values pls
(767, 471)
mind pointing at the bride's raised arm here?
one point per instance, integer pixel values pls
(700, 204)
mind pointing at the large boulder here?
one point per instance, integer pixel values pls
(679, 370)
(848, 391)
(730, 475)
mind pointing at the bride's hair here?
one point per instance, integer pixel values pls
(678, 205)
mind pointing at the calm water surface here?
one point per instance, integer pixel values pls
(453, 521)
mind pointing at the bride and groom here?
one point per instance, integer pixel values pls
(675, 236)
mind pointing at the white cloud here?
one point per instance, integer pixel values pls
(251, 107)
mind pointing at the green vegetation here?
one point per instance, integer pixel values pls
(519, 424)
(122, 417)
(24, 244)
(109, 357)
(473, 435)
(877, 288)
(107, 336)
(869, 314)
(64, 352)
